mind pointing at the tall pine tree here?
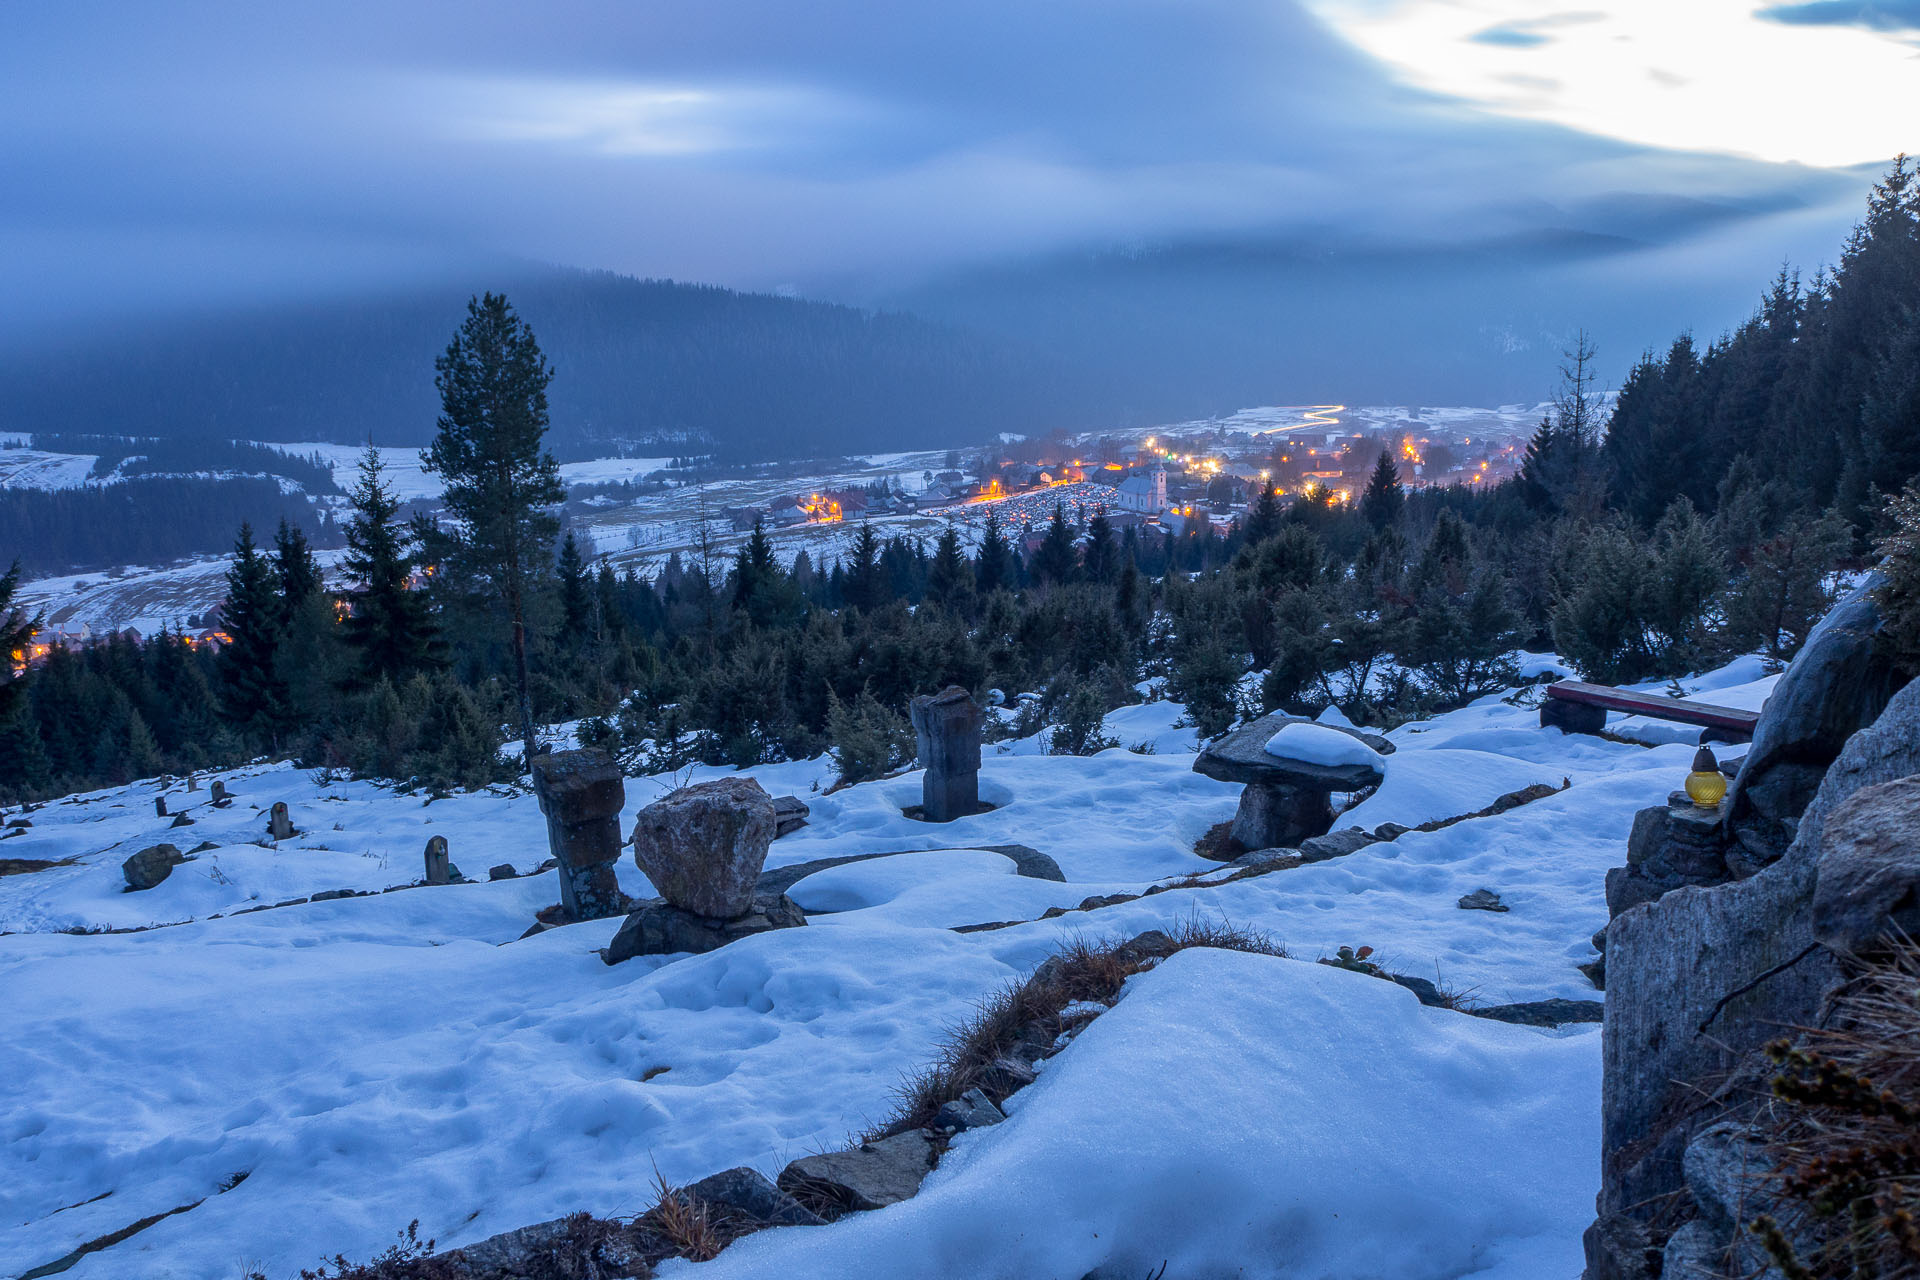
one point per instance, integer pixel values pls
(500, 478)
(1382, 500)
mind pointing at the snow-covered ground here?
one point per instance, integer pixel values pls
(370, 1060)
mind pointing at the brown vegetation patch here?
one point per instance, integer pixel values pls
(1023, 1021)
(1844, 1139)
(26, 866)
(1217, 844)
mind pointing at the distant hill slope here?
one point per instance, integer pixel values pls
(1198, 328)
(639, 361)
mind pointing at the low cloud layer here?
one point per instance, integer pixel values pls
(226, 152)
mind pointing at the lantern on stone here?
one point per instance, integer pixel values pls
(1706, 785)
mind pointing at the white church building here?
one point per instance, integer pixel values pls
(1145, 492)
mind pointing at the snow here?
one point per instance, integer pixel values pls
(37, 469)
(1383, 1140)
(374, 1059)
(1319, 744)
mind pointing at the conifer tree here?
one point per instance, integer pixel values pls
(1055, 561)
(390, 630)
(948, 580)
(1264, 520)
(866, 583)
(500, 478)
(995, 569)
(576, 595)
(1382, 500)
(253, 697)
(296, 573)
(1102, 558)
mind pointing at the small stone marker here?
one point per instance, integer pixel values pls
(437, 865)
(193, 782)
(160, 806)
(279, 822)
(946, 729)
(582, 793)
(221, 797)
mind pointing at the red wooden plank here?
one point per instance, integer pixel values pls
(1680, 710)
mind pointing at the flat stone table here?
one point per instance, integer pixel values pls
(1286, 801)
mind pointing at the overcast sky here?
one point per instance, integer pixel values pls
(179, 152)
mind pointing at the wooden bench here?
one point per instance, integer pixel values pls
(1578, 707)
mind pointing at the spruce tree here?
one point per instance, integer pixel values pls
(866, 582)
(252, 695)
(390, 630)
(1263, 521)
(1102, 558)
(576, 595)
(500, 478)
(1055, 561)
(995, 569)
(949, 581)
(1383, 499)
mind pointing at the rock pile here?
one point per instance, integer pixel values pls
(703, 847)
(1286, 801)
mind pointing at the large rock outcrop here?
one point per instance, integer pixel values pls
(1702, 977)
(1837, 685)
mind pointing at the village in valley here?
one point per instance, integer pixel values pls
(1185, 479)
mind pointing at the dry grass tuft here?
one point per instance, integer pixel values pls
(1022, 1021)
(1844, 1141)
(683, 1222)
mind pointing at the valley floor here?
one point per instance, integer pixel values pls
(366, 1061)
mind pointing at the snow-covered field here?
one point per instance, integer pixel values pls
(370, 1060)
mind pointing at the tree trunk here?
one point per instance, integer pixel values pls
(520, 669)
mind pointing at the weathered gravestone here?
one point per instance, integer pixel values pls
(1286, 800)
(946, 729)
(159, 806)
(221, 796)
(280, 822)
(582, 793)
(438, 867)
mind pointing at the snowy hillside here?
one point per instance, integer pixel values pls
(368, 1060)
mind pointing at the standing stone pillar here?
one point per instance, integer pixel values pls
(221, 796)
(280, 822)
(439, 869)
(582, 793)
(160, 807)
(946, 728)
(1275, 815)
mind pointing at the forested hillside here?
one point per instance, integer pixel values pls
(644, 362)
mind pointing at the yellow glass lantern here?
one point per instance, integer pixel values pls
(1706, 785)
